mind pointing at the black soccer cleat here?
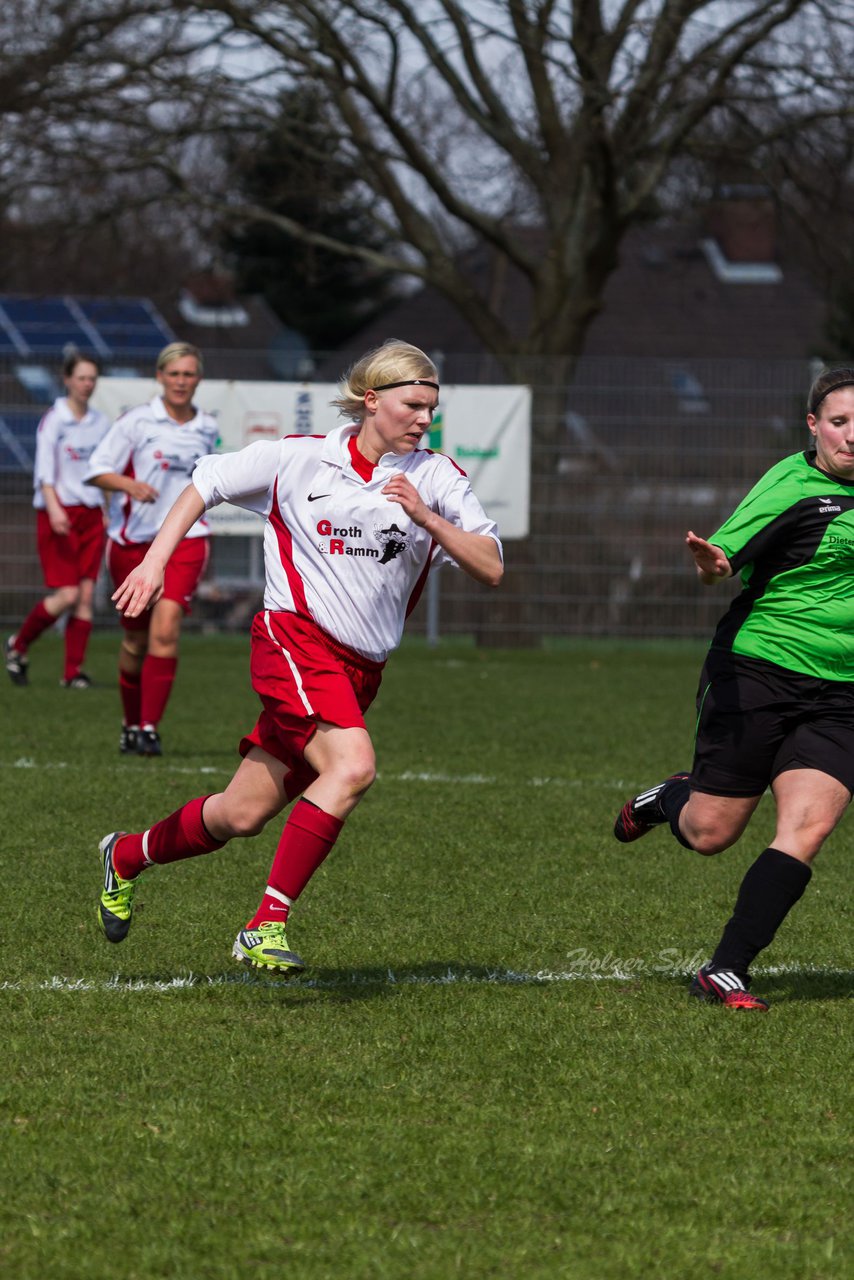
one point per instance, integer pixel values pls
(127, 741)
(148, 743)
(16, 663)
(80, 681)
(639, 815)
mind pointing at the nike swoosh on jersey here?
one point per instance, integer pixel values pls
(313, 497)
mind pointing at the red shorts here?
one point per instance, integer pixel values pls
(303, 677)
(69, 557)
(184, 570)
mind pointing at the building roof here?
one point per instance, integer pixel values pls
(674, 296)
(669, 298)
(241, 334)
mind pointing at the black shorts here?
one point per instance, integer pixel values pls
(756, 720)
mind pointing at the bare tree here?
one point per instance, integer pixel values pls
(98, 111)
(464, 122)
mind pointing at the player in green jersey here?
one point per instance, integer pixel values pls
(775, 701)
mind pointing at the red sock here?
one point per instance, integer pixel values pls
(182, 835)
(36, 621)
(158, 675)
(77, 632)
(308, 836)
(129, 689)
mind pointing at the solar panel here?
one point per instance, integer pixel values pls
(114, 311)
(45, 339)
(36, 311)
(18, 440)
(130, 342)
(104, 326)
(127, 324)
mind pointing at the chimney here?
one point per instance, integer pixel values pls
(742, 220)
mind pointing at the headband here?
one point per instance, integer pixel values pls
(407, 382)
(834, 386)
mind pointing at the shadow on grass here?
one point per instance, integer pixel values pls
(224, 758)
(806, 986)
(340, 985)
(384, 980)
(345, 985)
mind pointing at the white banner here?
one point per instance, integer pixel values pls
(485, 430)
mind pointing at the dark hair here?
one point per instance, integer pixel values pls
(828, 380)
(74, 358)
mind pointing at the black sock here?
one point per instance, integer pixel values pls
(673, 800)
(769, 890)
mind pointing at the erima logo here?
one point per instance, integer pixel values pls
(827, 506)
(313, 497)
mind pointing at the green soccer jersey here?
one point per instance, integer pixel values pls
(792, 540)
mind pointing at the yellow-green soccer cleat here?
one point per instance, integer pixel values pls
(115, 907)
(267, 948)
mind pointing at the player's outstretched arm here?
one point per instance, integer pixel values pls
(143, 585)
(712, 565)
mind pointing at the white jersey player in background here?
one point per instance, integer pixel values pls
(354, 522)
(144, 462)
(69, 525)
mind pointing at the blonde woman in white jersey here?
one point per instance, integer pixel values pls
(144, 462)
(354, 522)
(69, 525)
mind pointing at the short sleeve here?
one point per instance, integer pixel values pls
(245, 478)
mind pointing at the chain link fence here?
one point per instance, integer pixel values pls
(624, 461)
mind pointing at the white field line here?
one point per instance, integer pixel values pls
(451, 977)
(408, 775)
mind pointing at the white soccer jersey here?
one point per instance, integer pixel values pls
(64, 446)
(148, 445)
(336, 549)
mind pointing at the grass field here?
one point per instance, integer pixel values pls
(491, 1067)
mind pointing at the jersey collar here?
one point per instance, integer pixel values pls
(336, 449)
(161, 413)
(62, 407)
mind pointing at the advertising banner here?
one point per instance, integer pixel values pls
(485, 430)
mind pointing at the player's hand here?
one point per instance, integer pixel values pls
(711, 562)
(142, 492)
(142, 588)
(401, 490)
(59, 522)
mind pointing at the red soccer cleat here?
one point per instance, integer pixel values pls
(724, 986)
(639, 815)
